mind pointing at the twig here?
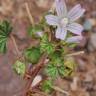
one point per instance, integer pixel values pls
(15, 45)
(60, 90)
(29, 13)
(77, 53)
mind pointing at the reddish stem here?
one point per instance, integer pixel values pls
(33, 72)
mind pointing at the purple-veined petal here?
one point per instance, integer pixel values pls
(61, 33)
(76, 12)
(61, 8)
(75, 28)
(74, 39)
(52, 20)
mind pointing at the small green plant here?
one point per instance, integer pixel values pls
(56, 33)
(5, 30)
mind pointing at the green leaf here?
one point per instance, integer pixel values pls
(54, 65)
(19, 67)
(47, 86)
(61, 71)
(33, 29)
(5, 30)
(46, 46)
(56, 58)
(44, 38)
(58, 66)
(51, 70)
(70, 63)
(32, 54)
(55, 55)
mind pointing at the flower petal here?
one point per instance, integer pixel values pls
(52, 20)
(61, 8)
(74, 39)
(36, 80)
(61, 33)
(76, 12)
(39, 34)
(75, 28)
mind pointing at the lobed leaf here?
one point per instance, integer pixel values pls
(19, 67)
(5, 30)
(32, 54)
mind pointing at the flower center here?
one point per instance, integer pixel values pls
(64, 21)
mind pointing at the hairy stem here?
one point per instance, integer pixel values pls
(34, 71)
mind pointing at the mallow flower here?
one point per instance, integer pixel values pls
(65, 21)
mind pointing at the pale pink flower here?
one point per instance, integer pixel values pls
(65, 21)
